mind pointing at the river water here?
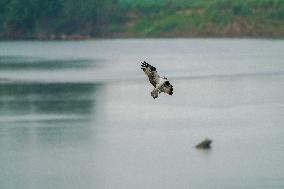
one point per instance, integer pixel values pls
(78, 114)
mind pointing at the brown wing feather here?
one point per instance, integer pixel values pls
(151, 72)
(167, 88)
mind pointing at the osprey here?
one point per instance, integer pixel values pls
(161, 84)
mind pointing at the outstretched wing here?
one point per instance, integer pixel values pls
(167, 88)
(151, 72)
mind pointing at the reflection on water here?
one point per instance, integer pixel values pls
(48, 110)
(47, 98)
(43, 129)
(31, 63)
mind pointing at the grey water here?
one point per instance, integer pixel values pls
(78, 114)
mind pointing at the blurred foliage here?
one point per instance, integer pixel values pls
(57, 18)
(60, 19)
(208, 18)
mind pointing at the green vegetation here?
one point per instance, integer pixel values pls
(44, 19)
(223, 18)
(64, 19)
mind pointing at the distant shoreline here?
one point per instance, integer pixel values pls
(78, 37)
(72, 20)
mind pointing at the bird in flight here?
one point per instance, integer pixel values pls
(161, 84)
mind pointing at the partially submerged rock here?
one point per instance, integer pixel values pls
(206, 144)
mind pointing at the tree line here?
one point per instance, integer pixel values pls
(56, 18)
(74, 19)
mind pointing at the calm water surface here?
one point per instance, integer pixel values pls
(80, 115)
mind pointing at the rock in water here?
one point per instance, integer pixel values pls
(206, 144)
